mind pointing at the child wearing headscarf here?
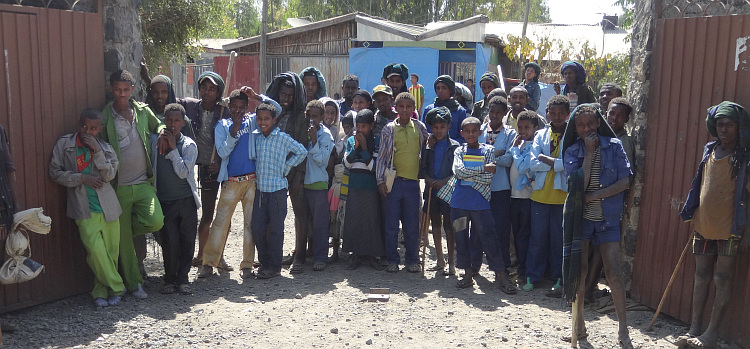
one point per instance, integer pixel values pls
(445, 88)
(575, 84)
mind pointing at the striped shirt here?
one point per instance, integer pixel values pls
(593, 210)
(418, 92)
(272, 165)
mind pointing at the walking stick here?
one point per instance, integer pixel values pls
(224, 94)
(425, 228)
(669, 285)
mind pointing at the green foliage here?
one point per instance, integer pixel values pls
(628, 7)
(246, 18)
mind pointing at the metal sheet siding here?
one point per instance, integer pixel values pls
(694, 68)
(55, 69)
(334, 68)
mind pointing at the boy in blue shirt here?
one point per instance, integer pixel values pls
(178, 194)
(236, 147)
(316, 187)
(437, 170)
(468, 193)
(272, 147)
(500, 137)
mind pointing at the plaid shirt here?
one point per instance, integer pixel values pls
(481, 179)
(272, 165)
(385, 155)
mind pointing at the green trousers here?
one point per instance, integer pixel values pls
(141, 214)
(102, 242)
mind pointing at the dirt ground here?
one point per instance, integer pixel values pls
(327, 309)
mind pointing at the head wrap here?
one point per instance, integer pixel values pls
(336, 130)
(215, 79)
(491, 77)
(448, 81)
(438, 115)
(170, 99)
(537, 69)
(730, 110)
(312, 71)
(578, 68)
(464, 91)
(570, 136)
(396, 68)
(300, 101)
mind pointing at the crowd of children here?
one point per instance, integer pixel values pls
(495, 178)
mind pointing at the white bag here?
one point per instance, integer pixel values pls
(390, 173)
(18, 268)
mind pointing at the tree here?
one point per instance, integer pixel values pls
(246, 18)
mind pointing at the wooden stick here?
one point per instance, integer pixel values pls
(671, 280)
(225, 93)
(574, 329)
(424, 232)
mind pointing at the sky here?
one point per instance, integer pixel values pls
(580, 11)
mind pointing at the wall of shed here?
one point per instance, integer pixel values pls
(55, 69)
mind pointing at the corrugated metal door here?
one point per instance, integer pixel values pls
(698, 62)
(51, 68)
(334, 68)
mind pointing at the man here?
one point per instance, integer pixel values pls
(348, 87)
(417, 90)
(314, 83)
(607, 93)
(395, 75)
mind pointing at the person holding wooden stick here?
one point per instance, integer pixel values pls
(594, 155)
(719, 228)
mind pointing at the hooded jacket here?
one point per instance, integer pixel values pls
(321, 92)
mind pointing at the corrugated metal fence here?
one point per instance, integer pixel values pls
(698, 62)
(52, 68)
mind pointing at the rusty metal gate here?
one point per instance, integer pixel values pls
(698, 62)
(51, 68)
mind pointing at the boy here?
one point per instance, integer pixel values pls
(395, 75)
(417, 90)
(718, 217)
(316, 186)
(400, 147)
(500, 137)
(236, 147)
(178, 194)
(288, 90)
(348, 87)
(548, 197)
(382, 97)
(488, 82)
(519, 97)
(204, 114)
(607, 92)
(85, 166)
(272, 147)
(445, 88)
(521, 179)
(127, 127)
(590, 147)
(618, 114)
(314, 83)
(468, 193)
(437, 168)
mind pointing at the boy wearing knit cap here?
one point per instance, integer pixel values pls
(395, 75)
(487, 83)
(445, 88)
(719, 227)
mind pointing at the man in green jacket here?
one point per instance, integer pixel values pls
(128, 126)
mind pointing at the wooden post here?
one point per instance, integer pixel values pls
(262, 55)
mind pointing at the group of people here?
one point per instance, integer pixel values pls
(494, 172)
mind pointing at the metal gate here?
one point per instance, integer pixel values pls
(698, 62)
(51, 68)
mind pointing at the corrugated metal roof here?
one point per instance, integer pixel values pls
(605, 41)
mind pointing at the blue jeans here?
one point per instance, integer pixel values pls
(269, 212)
(520, 221)
(317, 206)
(545, 242)
(402, 204)
(500, 206)
(474, 234)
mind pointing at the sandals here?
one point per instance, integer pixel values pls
(267, 274)
(184, 289)
(223, 265)
(506, 286)
(465, 282)
(296, 268)
(695, 342)
(392, 268)
(197, 262)
(627, 342)
(437, 267)
(168, 289)
(319, 266)
(414, 268)
(450, 272)
(581, 336)
(682, 341)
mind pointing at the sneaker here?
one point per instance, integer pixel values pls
(529, 286)
(101, 302)
(139, 293)
(205, 271)
(184, 289)
(114, 300)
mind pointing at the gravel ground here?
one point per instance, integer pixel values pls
(327, 309)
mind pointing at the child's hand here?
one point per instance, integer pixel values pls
(383, 189)
(359, 140)
(92, 181)
(250, 93)
(91, 142)
(313, 134)
(491, 168)
(556, 87)
(431, 140)
(171, 141)
(592, 138)
(517, 141)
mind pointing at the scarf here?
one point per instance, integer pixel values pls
(447, 81)
(491, 77)
(580, 71)
(215, 78)
(572, 226)
(312, 71)
(170, 99)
